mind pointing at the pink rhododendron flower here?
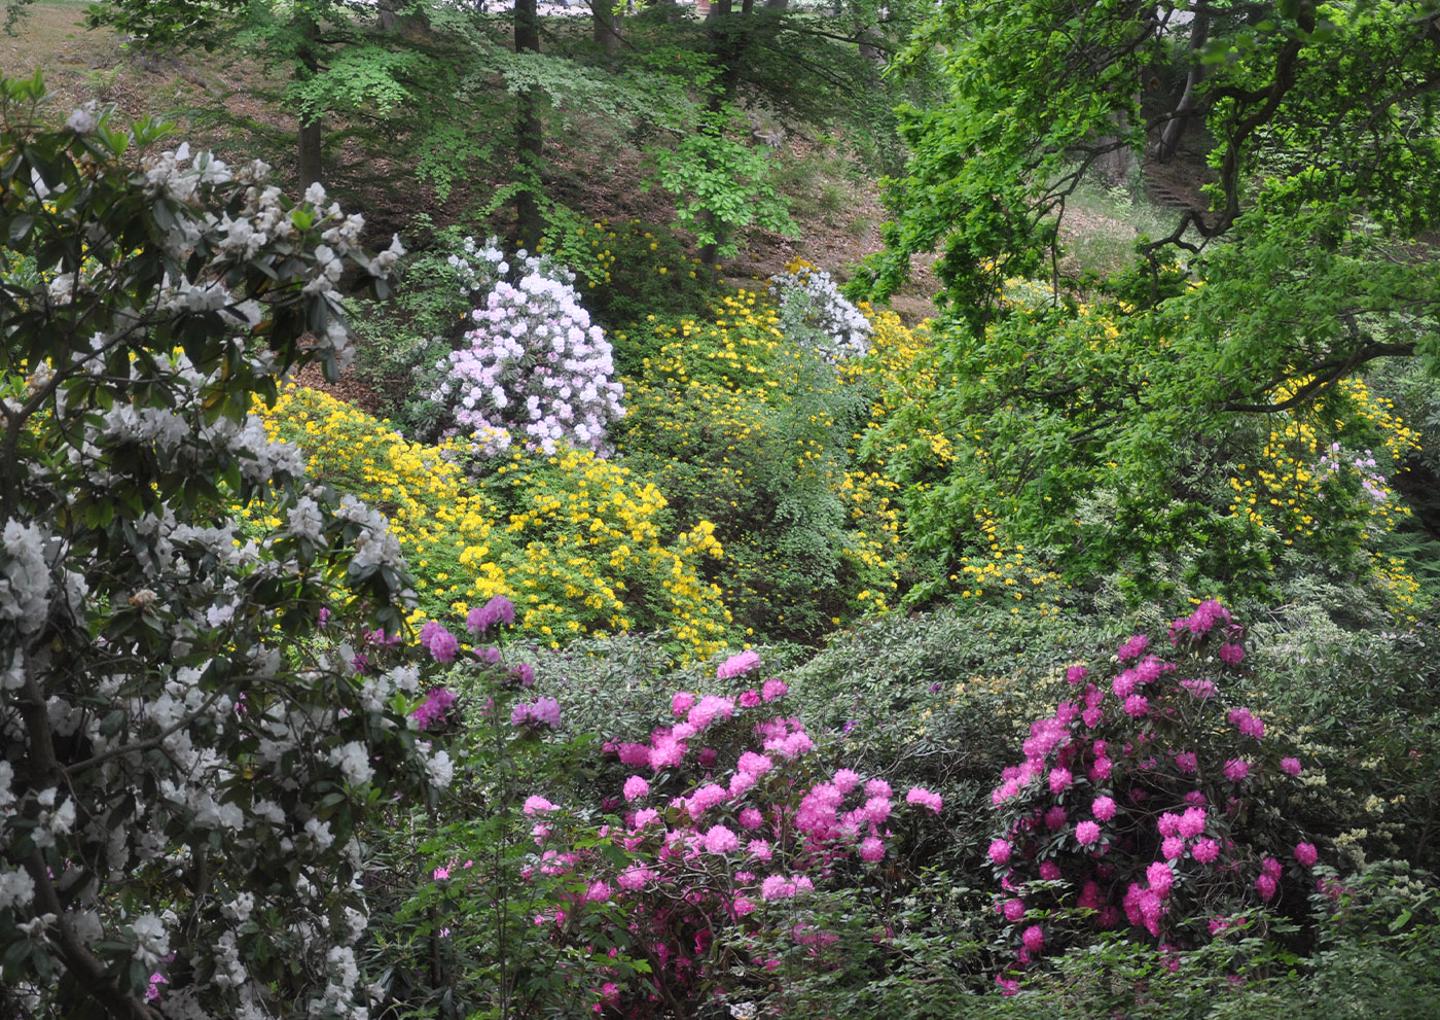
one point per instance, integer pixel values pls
(681, 702)
(1237, 769)
(1136, 706)
(1033, 938)
(999, 851)
(1075, 674)
(759, 849)
(749, 699)
(1056, 818)
(750, 818)
(1306, 854)
(1133, 648)
(1192, 822)
(720, 840)
(1060, 779)
(499, 610)
(924, 798)
(1087, 833)
(1103, 808)
(1013, 909)
(1290, 766)
(1160, 877)
(635, 788)
(1050, 871)
(1172, 847)
(774, 690)
(535, 805)
(1187, 762)
(1266, 886)
(738, 665)
(871, 849)
(1232, 654)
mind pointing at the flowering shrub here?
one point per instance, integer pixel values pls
(187, 756)
(1148, 802)
(576, 541)
(534, 365)
(742, 428)
(812, 310)
(1020, 421)
(729, 824)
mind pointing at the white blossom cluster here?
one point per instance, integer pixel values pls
(813, 310)
(535, 368)
(161, 745)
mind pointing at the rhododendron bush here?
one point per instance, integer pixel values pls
(730, 819)
(534, 368)
(188, 755)
(1151, 801)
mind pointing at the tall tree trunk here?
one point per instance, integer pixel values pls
(1189, 99)
(308, 152)
(309, 139)
(606, 25)
(529, 133)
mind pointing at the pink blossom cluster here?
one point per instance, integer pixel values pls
(1132, 795)
(730, 817)
(540, 713)
(432, 711)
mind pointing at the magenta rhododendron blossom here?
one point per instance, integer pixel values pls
(635, 788)
(498, 611)
(1306, 854)
(1150, 761)
(1290, 766)
(542, 712)
(720, 840)
(924, 798)
(738, 665)
(536, 805)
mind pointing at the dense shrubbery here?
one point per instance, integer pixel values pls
(192, 756)
(739, 425)
(1083, 446)
(579, 543)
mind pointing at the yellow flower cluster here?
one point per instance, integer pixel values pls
(589, 535)
(1005, 574)
(574, 540)
(1285, 492)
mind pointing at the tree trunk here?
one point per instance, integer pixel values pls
(606, 26)
(1174, 129)
(308, 154)
(529, 134)
(309, 139)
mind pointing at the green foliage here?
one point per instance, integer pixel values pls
(743, 427)
(721, 186)
(1082, 431)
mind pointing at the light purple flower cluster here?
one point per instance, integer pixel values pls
(535, 368)
(499, 610)
(433, 709)
(439, 642)
(537, 714)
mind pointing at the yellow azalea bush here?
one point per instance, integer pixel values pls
(576, 542)
(741, 426)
